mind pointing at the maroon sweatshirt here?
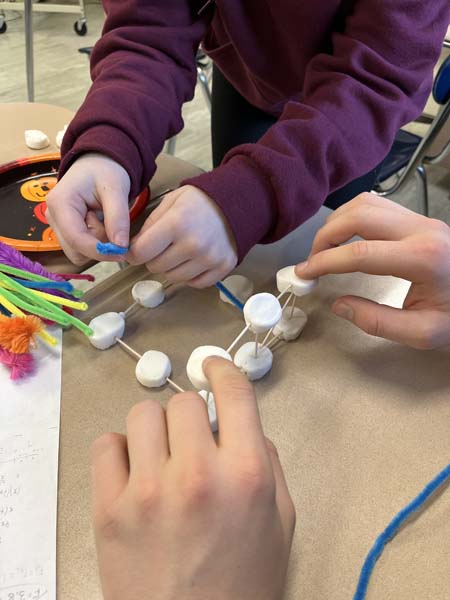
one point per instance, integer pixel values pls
(341, 94)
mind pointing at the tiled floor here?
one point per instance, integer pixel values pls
(62, 77)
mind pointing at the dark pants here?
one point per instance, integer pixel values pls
(234, 121)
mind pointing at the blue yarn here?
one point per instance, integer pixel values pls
(109, 248)
(392, 529)
(65, 286)
(226, 292)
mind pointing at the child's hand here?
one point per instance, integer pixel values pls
(93, 183)
(395, 242)
(177, 515)
(186, 239)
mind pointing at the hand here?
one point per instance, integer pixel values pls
(177, 515)
(93, 183)
(186, 239)
(395, 242)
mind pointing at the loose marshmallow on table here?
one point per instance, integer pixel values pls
(286, 278)
(262, 312)
(36, 139)
(153, 369)
(60, 136)
(107, 327)
(148, 293)
(239, 286)
(255, 367)
(194, 367)
(289, 328)
(208, 397)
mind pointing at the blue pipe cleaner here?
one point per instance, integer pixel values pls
(226, 292)
(109, 248)
(392, 529)
(65, 286)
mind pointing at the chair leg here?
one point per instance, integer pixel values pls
(171, 143)
(203, 80)
(422, 189)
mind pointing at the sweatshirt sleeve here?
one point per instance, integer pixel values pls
(143, 69)
(377, 79)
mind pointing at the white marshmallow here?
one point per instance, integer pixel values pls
(262, 312)
(36, 139)
(194, 367)
(107, 327)
(255, 367)
(239, 286)
(286, 278)
(148, 293)
(153, 369)
(60, 136)
(211, 405)
(289, 328)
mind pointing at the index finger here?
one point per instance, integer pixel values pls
(372, 257)
(72, 231)
(151, 241)
(237, 411)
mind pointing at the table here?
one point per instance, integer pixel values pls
(361, 425)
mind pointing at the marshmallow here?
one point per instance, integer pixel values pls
(262, 312)
(255, 367)
(286, 278)
(211, 405)
(153, 369)
(107, 327)
(148, 293)
(36, 140)
(289, 328)
(194, 367)
(60, 136)
(239, 286)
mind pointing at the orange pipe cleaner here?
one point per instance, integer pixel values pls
(17, 333)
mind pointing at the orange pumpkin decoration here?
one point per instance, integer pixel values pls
(36, 190)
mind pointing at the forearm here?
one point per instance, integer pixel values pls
(354, 101)
(143, 70)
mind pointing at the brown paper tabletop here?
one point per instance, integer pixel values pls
(15, 118)
(361, 425)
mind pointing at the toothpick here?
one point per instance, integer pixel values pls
(128, 310)
(128, 348)
(273, 342)
(174, 386)
(293, 307)
(288, 289)
(239, 337)
(282, 309)
(256, 345)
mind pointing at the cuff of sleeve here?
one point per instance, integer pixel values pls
(109, 141)
(244, 197)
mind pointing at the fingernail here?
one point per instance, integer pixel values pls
(301, 267)
(341, 309)
(121, 239)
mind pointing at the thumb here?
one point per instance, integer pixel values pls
(117, 217)
(422, 329)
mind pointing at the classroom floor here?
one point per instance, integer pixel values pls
(62, 78)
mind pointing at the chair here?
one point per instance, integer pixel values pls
(409, 153)
(204, 70)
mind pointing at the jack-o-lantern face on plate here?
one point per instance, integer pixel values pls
(36, 190)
